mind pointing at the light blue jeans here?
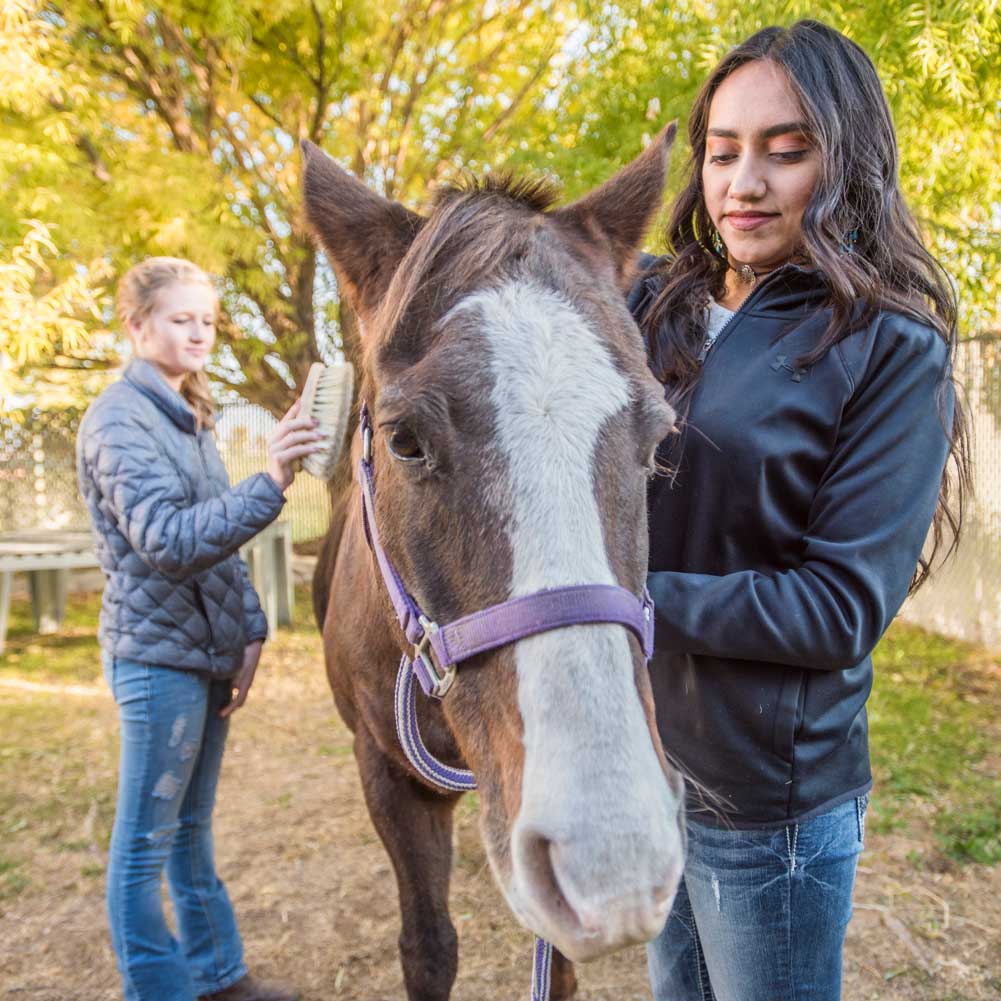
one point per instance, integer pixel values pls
(172, 747)
(761, 915)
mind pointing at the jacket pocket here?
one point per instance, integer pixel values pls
(200, 603)
(789, 713)
(220, 590)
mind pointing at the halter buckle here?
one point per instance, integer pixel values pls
(441, 679)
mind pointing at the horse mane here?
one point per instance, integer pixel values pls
(476, 226)
(534, 191)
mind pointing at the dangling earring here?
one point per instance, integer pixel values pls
(849, 242)
(744, 272)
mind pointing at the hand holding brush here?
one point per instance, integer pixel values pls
(295, 437)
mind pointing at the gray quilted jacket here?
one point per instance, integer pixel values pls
(167, 526)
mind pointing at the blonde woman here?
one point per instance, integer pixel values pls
(181, 629)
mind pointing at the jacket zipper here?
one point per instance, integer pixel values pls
(201, 457)
(740, 312)
(197, 586)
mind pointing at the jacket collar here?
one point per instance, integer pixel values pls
(789, 292)
(146, 377)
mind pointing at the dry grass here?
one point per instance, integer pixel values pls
(313, 888)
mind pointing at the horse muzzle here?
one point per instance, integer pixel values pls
(595, 891)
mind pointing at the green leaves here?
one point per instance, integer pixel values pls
(59, 324)
(131, 130)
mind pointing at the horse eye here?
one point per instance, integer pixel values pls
(404, 444)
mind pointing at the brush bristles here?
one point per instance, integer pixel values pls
(326, 397)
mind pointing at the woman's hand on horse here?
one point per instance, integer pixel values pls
(293, 438)
(244, 678)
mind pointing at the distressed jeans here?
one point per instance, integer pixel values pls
(761, 915)
(171, 751)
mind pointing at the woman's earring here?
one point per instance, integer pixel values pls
(850, 240)
(717, 242)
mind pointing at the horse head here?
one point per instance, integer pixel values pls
(516, 422)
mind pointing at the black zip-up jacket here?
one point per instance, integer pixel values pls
(785, 545)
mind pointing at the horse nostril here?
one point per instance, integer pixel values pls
(537, 858)
(663, 895)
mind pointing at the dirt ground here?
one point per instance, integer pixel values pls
(316, 897)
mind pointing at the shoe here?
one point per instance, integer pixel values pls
(249, 989)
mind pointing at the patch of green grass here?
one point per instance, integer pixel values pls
(58, 763)
(302, 611)
(12, 881)
(469, 806)
(72, 656)
(974, 832)
(933, 721)
(80, 845)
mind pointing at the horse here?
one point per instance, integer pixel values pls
(514, 424)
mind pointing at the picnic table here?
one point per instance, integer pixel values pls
(48, 556)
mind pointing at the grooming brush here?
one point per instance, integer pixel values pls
(326, 397)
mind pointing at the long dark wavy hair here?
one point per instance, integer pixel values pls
(857, 192)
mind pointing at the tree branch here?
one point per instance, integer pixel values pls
(984, 337)
(491, 130)
(148, 82)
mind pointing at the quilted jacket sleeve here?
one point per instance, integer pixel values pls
(143, 492)
(253, 615)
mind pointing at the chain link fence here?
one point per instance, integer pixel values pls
(963, 598)
(242, 431)
(38, 490)
(38, 471)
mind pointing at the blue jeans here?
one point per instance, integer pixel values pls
(172, 746)
(761, 915)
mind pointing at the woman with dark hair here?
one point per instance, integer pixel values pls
(805, 337)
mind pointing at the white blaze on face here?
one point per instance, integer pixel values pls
(593, 790)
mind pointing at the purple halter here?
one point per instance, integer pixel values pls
(439, 649)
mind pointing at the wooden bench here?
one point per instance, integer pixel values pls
(47, 558)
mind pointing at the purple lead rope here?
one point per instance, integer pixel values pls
(542, 966)
(439, 649)
(425, 763)
(437, 773)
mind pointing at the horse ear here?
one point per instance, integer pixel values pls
(364, 234)
(618, 213)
